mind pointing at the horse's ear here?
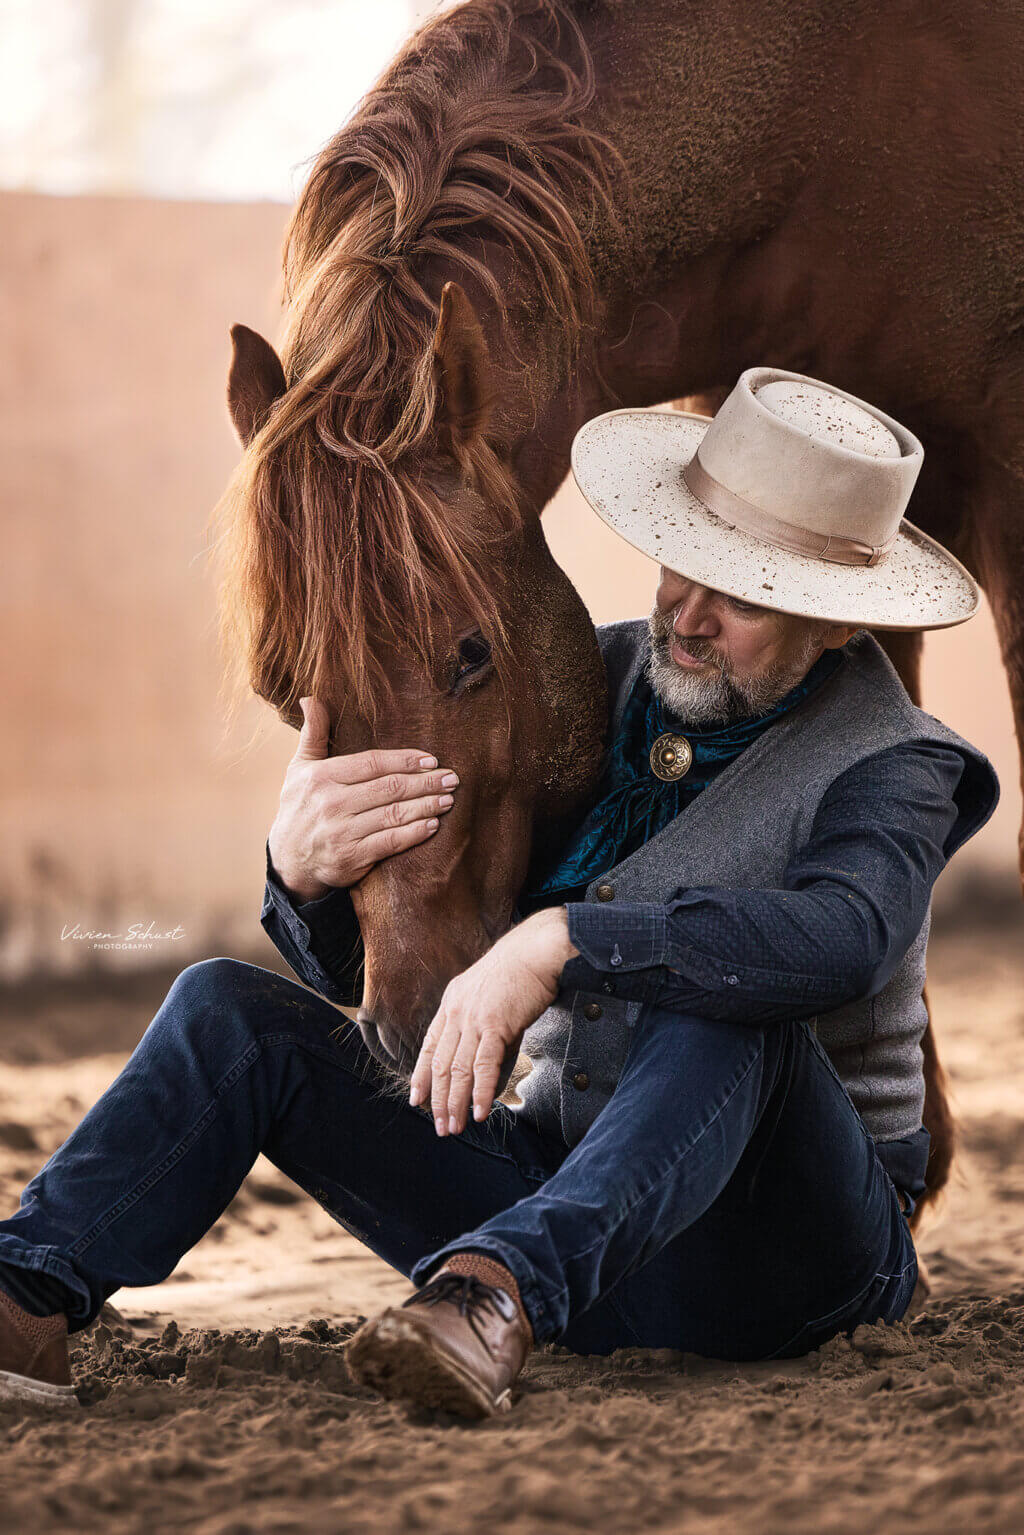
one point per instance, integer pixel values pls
(462, 368)
(256, 379)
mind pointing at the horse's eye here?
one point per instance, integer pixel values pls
(474, 654)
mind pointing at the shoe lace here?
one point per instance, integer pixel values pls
(472, 1297)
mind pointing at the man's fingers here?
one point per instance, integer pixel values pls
(460, 1085)
(368, 836)
(393, 791)
(364, 767)
(440, 1074)
(419, 1082)
(398, 813)
(385, 844)
(486, 1071)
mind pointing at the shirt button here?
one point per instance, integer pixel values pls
(606, 892)
(731, 980)
(593, 1010)
(581, 1080)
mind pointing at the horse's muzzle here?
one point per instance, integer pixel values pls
(385, 1045)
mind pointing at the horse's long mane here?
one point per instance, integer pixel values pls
(330, 534)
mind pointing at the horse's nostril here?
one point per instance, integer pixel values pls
(383, 1042)
(371, 1039)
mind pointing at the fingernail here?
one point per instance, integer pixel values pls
(453, 1124)
(449, 780)
(414, 1096)
(428, 762)
(439, 1126)
(478, 1111)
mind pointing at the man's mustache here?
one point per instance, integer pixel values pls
(700, 648)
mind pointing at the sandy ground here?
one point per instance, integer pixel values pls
(220, 1402)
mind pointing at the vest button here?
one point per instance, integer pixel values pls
(581, 1080)
(606, 892)
(593, 1010)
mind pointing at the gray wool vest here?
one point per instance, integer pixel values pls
(740, 832)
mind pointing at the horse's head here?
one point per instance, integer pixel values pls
(409, 588)
(383, 547)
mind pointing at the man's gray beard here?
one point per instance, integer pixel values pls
(715, 696)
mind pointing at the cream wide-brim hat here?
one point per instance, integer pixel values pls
(809, 485)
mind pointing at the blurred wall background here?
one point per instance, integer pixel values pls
(142, 216)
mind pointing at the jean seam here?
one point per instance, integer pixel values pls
(827, 1059)
(620, 1311)
(661, 1173)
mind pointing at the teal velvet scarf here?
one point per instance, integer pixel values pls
(632, 803)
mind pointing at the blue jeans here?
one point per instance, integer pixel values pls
(727, 1201)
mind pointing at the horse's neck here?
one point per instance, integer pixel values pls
(681, 316)
(754, 195)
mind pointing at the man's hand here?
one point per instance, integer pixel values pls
(484, 1012)
(339, 816)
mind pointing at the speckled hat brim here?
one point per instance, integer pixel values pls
(628, 464)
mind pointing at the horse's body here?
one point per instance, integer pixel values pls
(835, 189)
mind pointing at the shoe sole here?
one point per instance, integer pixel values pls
(394, 1357)
(22, 1388)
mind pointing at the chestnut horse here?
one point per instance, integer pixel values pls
(543, 210)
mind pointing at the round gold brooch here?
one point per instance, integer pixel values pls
(671, 756)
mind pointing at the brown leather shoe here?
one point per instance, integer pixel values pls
(33, 1357)
(457, 1344)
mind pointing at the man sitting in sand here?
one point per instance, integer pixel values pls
(717, 979)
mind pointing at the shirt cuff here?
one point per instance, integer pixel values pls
(614, 940)
(321, 939)
(326, 927)
(278, 897)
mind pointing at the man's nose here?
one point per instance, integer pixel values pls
(695, 614)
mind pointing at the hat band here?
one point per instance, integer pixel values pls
(738, 513)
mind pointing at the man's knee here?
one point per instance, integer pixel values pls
(219, 1011)
(218, 982)
(225, 1001)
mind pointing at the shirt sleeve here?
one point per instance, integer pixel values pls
(320, 939)
(851, 903)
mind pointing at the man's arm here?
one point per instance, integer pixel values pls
(852, 901)
(320, 939)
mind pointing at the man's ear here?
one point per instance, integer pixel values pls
(462, 368)
(255, 380)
